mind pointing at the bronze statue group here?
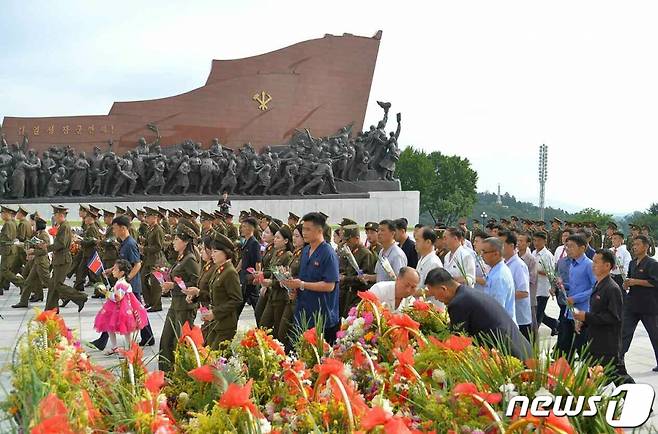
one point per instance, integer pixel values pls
(304, 165)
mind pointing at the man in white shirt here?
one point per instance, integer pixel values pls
(428, 260)
(544, 260)
(622, 257)
(392, 294)
(521, 277)
(561, 251)
(390, 253)
(523, 247)
(459, 261)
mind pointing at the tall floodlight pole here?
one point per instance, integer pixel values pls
(543, 175)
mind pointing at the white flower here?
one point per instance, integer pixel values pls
(348, 371)
(439, 376)
(183, 398)
(543, 392)
(265, 426)
(380, 401)
(508, 391)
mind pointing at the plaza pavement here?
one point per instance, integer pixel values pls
(640, 359)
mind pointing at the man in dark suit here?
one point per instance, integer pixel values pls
(603, 321)
(642, 299)
(477, 314)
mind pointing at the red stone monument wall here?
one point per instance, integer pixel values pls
(320, 84)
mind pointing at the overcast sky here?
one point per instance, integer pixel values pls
(488, 80)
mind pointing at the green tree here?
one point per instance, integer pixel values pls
(653, 209)
(592, 215)
(446, 183)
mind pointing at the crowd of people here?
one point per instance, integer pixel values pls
(495, 281)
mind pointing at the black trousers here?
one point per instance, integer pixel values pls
(526, 331)
(629, 324)
(542, 317)
(568, 341)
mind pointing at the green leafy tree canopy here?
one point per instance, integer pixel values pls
(447, 184)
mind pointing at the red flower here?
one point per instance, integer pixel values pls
(53, 415)
(92, 413)
(52, 231)
(559, 369)
(403, 320)
(193, 332)
(253, 339)
(453, 343)
(163, 425)
(237, 396)
(405, 357)
(377, 416)
(311, 336)
(331, 367)
(369, 296)
(134, 355)
(154, 382)
(204, 374)
(471, 389)
(422, 306)
(47, 315)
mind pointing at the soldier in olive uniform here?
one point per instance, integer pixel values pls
(164, 220)
(610, 230)
(293, 220)
(266, 259)
(134, 231)
(153, 252)
(371, 238)
(23, 233)
(652, 243)
(61, 264)
(597, 239)
(185, 269)
(109, 249)
(555, 234)
(77, 256)
(207, 227)
(277, 294)
(231, 230)
(221, 322)
(39, 270)
(7, 250)
(350, 284)
(217, 222)
(88, 245)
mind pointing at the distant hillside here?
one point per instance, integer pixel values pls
(486, 202)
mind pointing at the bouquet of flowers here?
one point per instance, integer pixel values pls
(345, 250)
(553, 278)
(388, 268)
(161, 274)
(620, 266)
(462, 271)
(281, 273)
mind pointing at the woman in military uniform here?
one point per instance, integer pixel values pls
(278, 295)
(268, 238)
(285, 323)
(221, 322)
(186, 268)
(201, 292)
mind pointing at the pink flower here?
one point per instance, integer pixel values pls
(368, 318)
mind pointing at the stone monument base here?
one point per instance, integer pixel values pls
(361, 207)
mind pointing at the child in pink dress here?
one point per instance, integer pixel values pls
(122, 313)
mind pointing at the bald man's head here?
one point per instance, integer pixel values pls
(407, 282)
